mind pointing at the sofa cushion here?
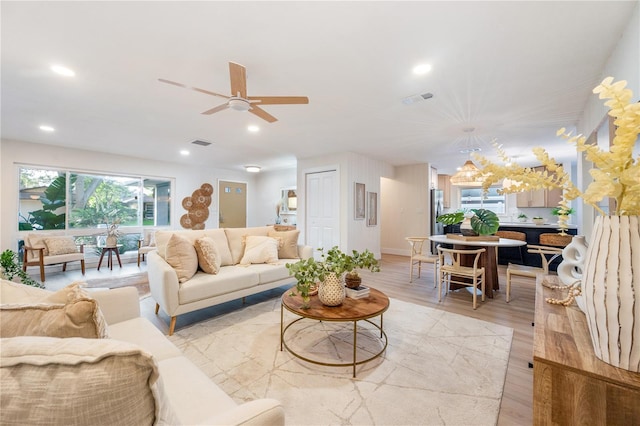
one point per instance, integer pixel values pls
(69, 312)
(181, 255)
(235, 238)
(208, 256)
(11, 292)
(260, 250)
(79, 381)
(288, 243)
(145, 335)
(218, 235)
(269, 273)
(60, 245)
(227, 280)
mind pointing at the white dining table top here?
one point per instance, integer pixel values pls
(503, 242)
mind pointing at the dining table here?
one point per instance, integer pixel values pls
(488, 259)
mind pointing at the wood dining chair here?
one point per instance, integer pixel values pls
(512, 235)
(452, 271)
(419, 254)
(532, 271)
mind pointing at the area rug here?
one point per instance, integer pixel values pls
(138, 280)
(438, 368)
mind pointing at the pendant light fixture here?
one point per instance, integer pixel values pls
(468, 174)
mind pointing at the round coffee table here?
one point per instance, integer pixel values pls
(351, 310)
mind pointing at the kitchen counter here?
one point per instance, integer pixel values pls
(550, 225)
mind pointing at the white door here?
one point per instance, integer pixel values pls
(322, 210)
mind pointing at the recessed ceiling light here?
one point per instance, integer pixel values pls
(59, 69)
(46, 128)
(421, 69)
(253, 128)
(252, 169)
(184, 152)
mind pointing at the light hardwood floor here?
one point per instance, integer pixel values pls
(517, 400)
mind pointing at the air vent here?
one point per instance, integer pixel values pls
(200, 142)
(417, 98)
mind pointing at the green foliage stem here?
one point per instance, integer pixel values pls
(11, 268)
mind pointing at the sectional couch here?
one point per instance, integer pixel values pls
(122, 370)
(185, 276)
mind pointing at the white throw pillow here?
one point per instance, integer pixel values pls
(182, 257)
(260, 250)
(208, 256)
(76, 381)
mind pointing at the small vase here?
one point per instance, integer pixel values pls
(573, 255)
(611, 290)
(331, 291)
(111, 241)
(306, 302)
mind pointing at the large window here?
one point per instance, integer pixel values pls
(472, 198)
(59, 199)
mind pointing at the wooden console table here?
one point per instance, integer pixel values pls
(570, 385)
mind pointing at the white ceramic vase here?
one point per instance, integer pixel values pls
(611, 290)
(331, 291)
(570, 269)
(111, 241)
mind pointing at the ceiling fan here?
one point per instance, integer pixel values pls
(239, 100)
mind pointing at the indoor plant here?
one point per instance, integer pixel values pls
(11, 269)
(328, 271)
(482, 221)
(522, 217)
(538, 220)
(611, 273)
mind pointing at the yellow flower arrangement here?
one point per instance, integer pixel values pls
(615, 174)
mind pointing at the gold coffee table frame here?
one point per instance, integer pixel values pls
(351, 310)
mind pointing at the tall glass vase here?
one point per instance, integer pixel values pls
(611, 290)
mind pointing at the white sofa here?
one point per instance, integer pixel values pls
(192, 398)
(232, 281)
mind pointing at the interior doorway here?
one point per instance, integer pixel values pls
(232, 204)
(322, 210)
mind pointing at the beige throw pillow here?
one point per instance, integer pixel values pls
(260, 250)
(208, 256)
(78, 381)
(288, 246)
(182, 257)
(60, 245)
(69, 312)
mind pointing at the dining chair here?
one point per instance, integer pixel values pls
(512, 235)
(418, 256)
(451, 271)
(532, 271)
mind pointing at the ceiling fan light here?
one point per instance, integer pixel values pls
(239, 104)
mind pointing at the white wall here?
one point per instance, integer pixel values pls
(267, 193)
(623, 64)
(186, 179)
(405, 207)
(351, 168)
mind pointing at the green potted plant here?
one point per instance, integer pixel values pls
(561, 211)
(331, 266)
(482, 222)
(10, 268)
(522, 217)
(538, 220)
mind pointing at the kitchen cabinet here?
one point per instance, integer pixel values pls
(571, 386)
(539, 197)
(445, 185)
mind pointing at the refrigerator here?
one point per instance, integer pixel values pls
(437, 201)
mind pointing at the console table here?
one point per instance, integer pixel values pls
(570, 385)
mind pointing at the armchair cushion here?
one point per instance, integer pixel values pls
(36, 241)
(69, 312)
(60, 245)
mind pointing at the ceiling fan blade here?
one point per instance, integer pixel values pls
(216, 109)
(275, 100)
(238, 74)
(207, 92)
(262, 113)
